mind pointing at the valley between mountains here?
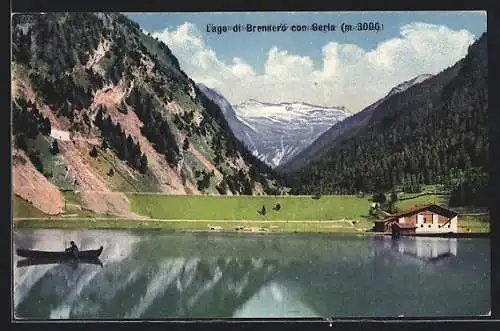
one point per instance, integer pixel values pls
(111, 127)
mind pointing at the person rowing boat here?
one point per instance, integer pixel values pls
(72, 250)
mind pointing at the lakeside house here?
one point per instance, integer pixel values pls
(425, 219)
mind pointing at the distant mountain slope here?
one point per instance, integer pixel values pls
(426, 134)
(123, 114)
(343, 130)
(276, 132)
(237, 127)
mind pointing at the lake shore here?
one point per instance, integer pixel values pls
(242, 226)
(245, 214)
(236, 226)
(443, 235)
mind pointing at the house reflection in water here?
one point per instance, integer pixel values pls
(424, 249)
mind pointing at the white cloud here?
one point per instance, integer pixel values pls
(279, 64)
(348, 74)
(242, 70)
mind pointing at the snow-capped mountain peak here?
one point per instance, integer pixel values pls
(283, 110)
(275, 132)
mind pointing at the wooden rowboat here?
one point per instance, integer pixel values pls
(82, 255)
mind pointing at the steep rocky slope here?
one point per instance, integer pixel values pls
(102, 108)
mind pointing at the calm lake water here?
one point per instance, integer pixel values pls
(154, 275)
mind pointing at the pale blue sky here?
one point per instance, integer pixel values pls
(254, 48)
(256, 45)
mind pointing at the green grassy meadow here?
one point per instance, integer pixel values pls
(473, 223)
(303, 208)
(334, 213)
(22, 208)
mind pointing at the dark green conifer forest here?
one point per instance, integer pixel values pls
(433, 133)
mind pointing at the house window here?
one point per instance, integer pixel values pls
(429, 225)
(448, 225)
(421, 225)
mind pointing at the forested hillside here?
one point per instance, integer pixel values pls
(344, 130)
(122, 113)
(433, 133)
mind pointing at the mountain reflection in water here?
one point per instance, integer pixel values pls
(153, 275)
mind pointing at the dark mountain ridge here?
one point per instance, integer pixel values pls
(345, 129)
(427, 134)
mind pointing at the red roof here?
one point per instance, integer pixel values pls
(432, 207)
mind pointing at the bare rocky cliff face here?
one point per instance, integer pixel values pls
(123, 114)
